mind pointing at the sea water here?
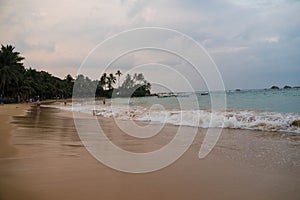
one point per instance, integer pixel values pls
(264, 109)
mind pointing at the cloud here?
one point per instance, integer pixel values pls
(243, 37)
(273, 39)
(40, 14)
(149, 14)
(227, 49)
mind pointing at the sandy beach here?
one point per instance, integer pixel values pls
(41, 157)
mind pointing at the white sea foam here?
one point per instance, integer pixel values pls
(235, 119)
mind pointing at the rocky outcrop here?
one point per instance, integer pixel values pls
(296, 123)
(287, 87)
(274, 87)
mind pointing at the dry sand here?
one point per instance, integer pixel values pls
(44, 159)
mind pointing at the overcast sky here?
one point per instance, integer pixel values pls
(254, 43)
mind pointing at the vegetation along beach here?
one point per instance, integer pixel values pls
(132, 100)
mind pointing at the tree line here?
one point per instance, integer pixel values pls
(18, 83)
(133, 86)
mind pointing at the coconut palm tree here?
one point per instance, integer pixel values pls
(118, 73)
(7, 77)
(111, 79)
(9, 57)
(69, 83)
(103, 80)
(11, 69)
(28, 87)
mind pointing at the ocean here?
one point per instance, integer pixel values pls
(262, 109)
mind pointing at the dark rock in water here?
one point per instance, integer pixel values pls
(238, 90)
(296, 87)
(274, 87)
(296, 123)
(287, 87)
(204, 93)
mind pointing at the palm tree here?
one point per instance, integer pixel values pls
(9, 57)
(28, 87)
(11, 69)
(103, 80)
(118, 73)
(31, 83)
(111, 79)
(140, 78)
(69, 83)
(7, 76)
(69, 79)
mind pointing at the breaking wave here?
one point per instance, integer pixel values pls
(234, 119)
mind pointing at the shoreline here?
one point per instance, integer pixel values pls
(240, 119)
(51, 163)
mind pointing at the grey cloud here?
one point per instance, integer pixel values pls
(236, 34)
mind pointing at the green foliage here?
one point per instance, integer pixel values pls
(135, 86)
(84, 86)
(11, 71)
(17, 82)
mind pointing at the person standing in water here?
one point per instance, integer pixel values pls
(38, 105)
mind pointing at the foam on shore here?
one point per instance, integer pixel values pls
(235, 119)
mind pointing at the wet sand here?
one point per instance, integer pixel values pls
(44, 159)
(6, 114)
(7, 150)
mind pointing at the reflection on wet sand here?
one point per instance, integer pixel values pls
(53, 164)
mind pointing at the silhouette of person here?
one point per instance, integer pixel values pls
(38, 105)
